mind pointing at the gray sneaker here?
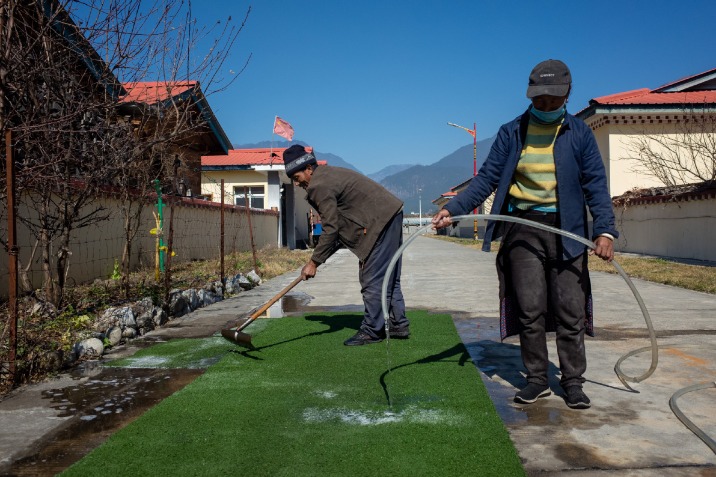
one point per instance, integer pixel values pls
(576, 399)
(361, 338)
(531, 393)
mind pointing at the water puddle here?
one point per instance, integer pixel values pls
(289, 303)
(299, 304)
(102, 401)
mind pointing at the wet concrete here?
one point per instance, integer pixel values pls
(93, 404)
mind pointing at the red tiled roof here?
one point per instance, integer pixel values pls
(151, 92)
(647, 96)
(249, 157)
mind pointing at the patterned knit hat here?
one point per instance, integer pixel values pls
(295, 159)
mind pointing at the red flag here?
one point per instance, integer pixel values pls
(282, 128)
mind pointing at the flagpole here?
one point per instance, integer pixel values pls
(273, 135)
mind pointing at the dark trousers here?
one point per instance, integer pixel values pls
(371, 274)
(547, 287)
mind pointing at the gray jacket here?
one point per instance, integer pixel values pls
(354, 210)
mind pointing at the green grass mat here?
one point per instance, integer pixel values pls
(304, 404)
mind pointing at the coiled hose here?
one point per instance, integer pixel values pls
(617, 367)
(687, 422)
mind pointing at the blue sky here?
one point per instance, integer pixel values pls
(376, 82)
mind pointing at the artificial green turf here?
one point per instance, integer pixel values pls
(304, 404)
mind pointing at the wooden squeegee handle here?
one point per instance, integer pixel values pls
(268, 304)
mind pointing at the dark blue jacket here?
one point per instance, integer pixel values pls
(581, 181)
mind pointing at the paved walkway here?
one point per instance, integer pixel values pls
(622, 434)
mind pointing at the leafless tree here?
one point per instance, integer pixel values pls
(683, 156)
(167, 120)
(62, 70)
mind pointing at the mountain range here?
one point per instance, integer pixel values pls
(416, 185)
(419, 185)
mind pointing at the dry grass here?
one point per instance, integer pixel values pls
(658, 270)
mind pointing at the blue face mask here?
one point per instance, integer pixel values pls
(548, 117)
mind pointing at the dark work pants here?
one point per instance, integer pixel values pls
(544, 284)
(371, 274)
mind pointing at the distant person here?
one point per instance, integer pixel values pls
(317, 230)
(544, 166)
(367, 219)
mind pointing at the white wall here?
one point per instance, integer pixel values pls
(615, 135)
(197, 231)
(681, 229)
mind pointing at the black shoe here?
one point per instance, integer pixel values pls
(576, 399)
(361, 338)
(399, 333)
(531, 393)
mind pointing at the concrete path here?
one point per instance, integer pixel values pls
(622, 434)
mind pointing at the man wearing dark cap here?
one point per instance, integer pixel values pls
(367, 219)
(544, 166)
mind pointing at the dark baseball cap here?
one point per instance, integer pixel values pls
(551, 77)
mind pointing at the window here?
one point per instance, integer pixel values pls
(256, 196)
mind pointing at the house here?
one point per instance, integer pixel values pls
(632, 126)
(176, 116)
(469, 228)
(658, 147)
(258, 176)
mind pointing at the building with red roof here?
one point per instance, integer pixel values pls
(629, 123)
(668, 210)
(176, 117)
(258, 176)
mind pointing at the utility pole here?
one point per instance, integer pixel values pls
(420, 208)
(473, 133)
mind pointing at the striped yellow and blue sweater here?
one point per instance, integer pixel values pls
(534, 184)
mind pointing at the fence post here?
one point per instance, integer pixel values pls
(251, 231)
(12, 256)
(160, 211)
(221, 243)
(168, 266)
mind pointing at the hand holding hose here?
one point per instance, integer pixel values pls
(604, 248)
(441, 219)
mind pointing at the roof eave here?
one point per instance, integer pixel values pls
(198, 98)
(594, 109)
(63, 25)
(230, 167)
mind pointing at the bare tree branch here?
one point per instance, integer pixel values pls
(686, 155)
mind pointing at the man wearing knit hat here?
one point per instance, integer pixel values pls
(544, 166)
(363, 216)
